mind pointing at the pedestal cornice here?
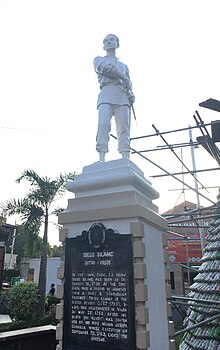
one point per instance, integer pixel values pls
(111, 177)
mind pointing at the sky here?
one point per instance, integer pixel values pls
(48, 88)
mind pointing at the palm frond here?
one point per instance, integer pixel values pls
(32, 177)
(62, 180)
(13, 206)
(57, 211)
(26, 208)
(44, 190)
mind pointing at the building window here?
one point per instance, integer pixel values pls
(172, 280)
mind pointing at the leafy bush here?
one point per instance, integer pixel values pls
(23, 301)
(4, 303)
(51, 300)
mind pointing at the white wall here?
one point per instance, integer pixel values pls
(7, 260)
(52, 265)
(158, 324)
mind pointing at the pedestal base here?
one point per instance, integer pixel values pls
(117, 195)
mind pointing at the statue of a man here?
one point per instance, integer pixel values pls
(116, 98)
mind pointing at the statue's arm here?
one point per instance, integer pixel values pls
(102, 66)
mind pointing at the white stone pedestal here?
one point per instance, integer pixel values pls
(117, 194)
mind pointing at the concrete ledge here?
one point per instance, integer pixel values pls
(26, 331)
(35, 338)
(63, 234)
(5, 318)
(111, 177)
(116, 212)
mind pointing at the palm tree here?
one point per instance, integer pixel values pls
(34, 209)
(31, 215)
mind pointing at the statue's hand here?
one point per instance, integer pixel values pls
(131, 97)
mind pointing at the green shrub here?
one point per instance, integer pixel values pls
(23, 301)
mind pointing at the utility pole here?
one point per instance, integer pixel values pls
(12, 247)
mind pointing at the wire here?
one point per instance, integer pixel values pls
(21, 129)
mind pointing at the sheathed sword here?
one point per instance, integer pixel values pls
(132, 107)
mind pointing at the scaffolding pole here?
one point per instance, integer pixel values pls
(201, 230)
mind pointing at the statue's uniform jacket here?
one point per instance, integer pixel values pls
(112, 90)
(112, 100)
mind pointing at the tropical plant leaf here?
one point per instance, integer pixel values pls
(34, 209)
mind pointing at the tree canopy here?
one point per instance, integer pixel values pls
(34, 211)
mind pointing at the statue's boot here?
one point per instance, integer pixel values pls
(125, 155)
(101, 156)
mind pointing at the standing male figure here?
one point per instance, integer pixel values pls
(116, 98)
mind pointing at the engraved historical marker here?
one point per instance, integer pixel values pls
(98, 292)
